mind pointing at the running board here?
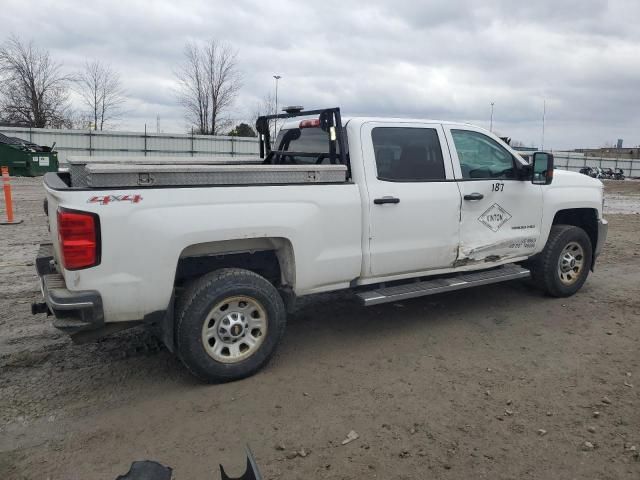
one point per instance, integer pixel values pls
(439, 285)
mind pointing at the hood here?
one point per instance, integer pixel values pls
(566, 178)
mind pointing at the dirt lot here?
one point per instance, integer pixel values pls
(461, 385)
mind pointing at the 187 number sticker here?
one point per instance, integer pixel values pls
(497, 187)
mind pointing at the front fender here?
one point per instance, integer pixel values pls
(569, 191)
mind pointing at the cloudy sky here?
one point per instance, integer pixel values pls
(445, 59)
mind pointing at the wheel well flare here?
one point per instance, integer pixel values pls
(585, 218)
(269, 258)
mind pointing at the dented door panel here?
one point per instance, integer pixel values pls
(500, 217)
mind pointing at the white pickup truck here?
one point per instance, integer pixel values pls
(212, 255)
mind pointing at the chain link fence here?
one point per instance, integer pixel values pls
(575, 161)
(111, 143)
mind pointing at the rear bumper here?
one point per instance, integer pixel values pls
(74, 312)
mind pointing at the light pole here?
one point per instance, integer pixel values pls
(275, 120)
(544, 114)
(491, 124)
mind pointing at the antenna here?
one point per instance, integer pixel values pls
(491, 124)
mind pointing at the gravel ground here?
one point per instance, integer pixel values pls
(493, 382)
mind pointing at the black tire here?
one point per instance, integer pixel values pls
(194, 307)
(545, 267)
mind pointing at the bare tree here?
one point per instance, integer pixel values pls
(209, 82)
(101, 91)
(33, 90)
(79, 120)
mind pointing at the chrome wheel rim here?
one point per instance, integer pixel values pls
(234, 329)
(571, 263)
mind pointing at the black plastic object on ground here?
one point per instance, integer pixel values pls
(150, 470)
(251, 472)
(147, 470)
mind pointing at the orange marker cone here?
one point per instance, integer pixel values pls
(8, 202)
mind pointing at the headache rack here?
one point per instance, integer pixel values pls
(329, 120)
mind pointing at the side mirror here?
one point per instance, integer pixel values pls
(542, 171)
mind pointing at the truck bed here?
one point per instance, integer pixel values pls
(105, 172)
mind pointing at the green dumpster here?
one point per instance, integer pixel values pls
(26, 159)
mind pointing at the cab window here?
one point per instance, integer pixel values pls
(481, 157)
(312, 141)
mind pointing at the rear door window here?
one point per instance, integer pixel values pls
(408, 154)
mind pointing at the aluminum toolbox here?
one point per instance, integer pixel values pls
(114, 175)
(109, 172)
(76, 165)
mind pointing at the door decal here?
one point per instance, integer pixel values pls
(494, 217)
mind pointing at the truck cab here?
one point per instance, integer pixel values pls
(443, 196)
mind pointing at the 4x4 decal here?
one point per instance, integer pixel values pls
(107, 199)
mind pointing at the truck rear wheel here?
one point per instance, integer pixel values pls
(563, 266)
(229, 324)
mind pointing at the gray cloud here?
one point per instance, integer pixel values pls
(430, 59)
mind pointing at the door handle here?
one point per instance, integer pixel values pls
(474, 196)
(383, 200)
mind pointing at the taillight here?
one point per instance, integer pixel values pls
(79, 235)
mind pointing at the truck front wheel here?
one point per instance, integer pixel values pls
(563, 266)
(228, 324)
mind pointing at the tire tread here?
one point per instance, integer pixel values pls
(200, 290)
(544, 265)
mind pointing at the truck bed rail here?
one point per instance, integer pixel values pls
(106, 175)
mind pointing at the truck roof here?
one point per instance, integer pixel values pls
(293, 123)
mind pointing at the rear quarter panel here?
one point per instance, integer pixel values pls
(142, 241)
